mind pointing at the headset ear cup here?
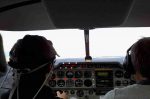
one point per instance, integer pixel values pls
(128, 66)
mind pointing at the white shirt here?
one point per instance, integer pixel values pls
(135, 91)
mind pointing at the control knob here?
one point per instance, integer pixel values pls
(52, 83)
(80, 93)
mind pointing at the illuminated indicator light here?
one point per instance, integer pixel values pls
(65, 78)
(74, 78)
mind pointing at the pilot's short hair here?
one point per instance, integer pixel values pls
(140, 56)
(31, 51)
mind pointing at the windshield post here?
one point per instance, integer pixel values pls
(88, 58)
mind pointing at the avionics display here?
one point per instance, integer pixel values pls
(103, 74)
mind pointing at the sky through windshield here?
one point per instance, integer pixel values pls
(69, 43)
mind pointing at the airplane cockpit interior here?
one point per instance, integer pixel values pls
(91, 37)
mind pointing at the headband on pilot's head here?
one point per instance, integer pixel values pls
(127, 64)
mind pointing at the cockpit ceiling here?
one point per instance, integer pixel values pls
(4, 3)
(35, 16)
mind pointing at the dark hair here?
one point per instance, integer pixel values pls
(31, 51)
(140, 56)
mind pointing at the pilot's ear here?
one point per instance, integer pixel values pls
(3, 66)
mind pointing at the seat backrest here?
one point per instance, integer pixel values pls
(3, 66)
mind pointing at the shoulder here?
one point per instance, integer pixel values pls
(119, 91)
(129, 92)
(110, 94)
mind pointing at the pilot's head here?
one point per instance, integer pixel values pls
(140, 57)
(31, 52)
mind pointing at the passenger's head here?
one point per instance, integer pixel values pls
(31, 52)
(140, 56)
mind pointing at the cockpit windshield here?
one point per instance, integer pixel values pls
(69, 43)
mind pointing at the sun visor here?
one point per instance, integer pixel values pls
(87, 13)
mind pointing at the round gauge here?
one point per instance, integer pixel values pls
(52, 83)
(88, 82)
(61, 83)
(78, 83)
(87, 74)
(72, 91)
(80, 93)
(78, 74)
(69, 74)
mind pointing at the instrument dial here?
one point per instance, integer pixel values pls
(88, 82)
(69, 74)
(78, 74)
(52, 83)
(78, 83)
(87, 74)
(61, 83)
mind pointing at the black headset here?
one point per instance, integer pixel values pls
(127, 64)
(130, 68)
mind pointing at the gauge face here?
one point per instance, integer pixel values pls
(61, 83)
(69, 74)
(78, 74)
(79, 83)
(87, 74)
(52, 83)
(88, 82)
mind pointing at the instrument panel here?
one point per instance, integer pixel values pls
(85, 80)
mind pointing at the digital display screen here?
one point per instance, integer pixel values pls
(102, 74)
